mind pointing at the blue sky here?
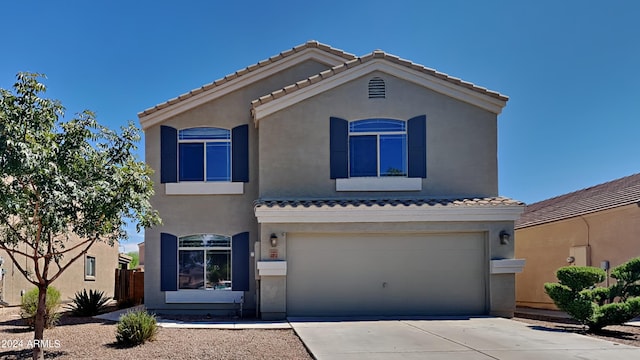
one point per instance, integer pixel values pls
(570, 68)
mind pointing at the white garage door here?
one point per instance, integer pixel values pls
(386, 274)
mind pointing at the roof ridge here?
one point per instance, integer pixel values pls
(376, 54)
(310, 44)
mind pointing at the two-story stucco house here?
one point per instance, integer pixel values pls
(319, 183)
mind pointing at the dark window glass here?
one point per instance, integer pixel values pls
(363, 155)
(191, 161)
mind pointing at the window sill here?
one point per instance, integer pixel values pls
(203, 296)
(89, 278)
(390, 183)
(204, 188)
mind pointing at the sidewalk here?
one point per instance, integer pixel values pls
(231, 324)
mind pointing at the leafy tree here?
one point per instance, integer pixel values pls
(594, 306)
(135, 259)
(64, 185)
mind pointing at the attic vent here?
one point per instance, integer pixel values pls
(376, 88)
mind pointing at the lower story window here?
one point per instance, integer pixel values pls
(90, 267)
(204, 262)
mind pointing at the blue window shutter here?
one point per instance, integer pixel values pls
(240, 153)
(417, 146)
(240, 261)
(168, 262)
(168, 154)
(338, 147)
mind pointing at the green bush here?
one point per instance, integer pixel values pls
(88, 304)
(580, 277)
(29, 307)
(595, 306)
(136, 327)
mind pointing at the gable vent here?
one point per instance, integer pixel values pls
(376, 88)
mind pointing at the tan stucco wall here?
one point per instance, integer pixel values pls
(217, 214)
(461, 140)
(72, 280)
(609, 235)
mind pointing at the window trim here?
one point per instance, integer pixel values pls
(384, 183)
(204, 188)
(87, 261)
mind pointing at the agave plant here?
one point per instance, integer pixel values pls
(88, 304)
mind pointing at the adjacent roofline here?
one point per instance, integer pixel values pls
(378, 61)
(307, 51)
(609, 195)
(368, 211)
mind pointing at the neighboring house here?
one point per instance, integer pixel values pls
(95, 270)
(318, 183)
(597, 226)
(141, 256)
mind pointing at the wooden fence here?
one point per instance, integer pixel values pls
(129, 286)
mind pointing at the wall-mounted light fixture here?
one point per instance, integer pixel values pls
(571, 260)
(274, 240)
(504, 237)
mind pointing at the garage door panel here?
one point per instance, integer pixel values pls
(385, 274)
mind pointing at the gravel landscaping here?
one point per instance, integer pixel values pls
(88, 338)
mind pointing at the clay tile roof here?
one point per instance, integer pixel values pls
(294, 203)
(609, 195)
(308, 45)
(379, 54)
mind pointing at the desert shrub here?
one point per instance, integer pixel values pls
(29, 307)
(136, 327)
(596, 306)
(88, 304)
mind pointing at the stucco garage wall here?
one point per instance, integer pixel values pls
(386, 274)
(610, 235)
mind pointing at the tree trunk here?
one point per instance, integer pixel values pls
(41, 313)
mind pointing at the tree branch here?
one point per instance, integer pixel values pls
(17, 264)
(73, 259)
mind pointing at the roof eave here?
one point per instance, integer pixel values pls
(325, 81)
(310, 51)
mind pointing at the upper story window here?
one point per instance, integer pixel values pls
(204, 262)
(204, 154)
(377, 147)
(202, 158)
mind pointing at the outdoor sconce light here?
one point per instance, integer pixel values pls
(504, 237)
(274, 240)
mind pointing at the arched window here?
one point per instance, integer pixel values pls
(377, 147)
(377, 88)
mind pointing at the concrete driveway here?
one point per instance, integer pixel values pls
(450, 338)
